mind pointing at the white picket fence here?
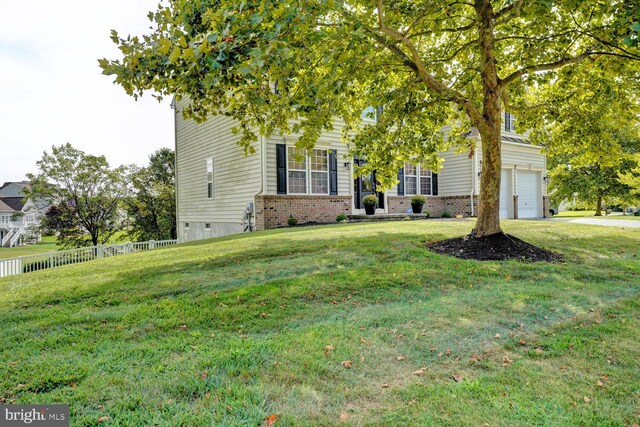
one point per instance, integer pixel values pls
(30, 263)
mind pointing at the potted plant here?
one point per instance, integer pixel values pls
(417, 202)
(370, 203)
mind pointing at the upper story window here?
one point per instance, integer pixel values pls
(371, 114)
(509, 122)
(417, 180)
(210, 187)
(307, 171)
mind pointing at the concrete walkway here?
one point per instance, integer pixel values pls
(627, 223)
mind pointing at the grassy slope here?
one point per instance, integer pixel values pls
(47, 244)
(232, 330)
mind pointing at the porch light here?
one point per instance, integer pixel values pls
(347, 165)
(546, 180)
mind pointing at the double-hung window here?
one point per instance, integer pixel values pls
(307, 173)
(210, 188)
(425, 181)
(417, 180)
(319, 172)
(297, 167)
(410, 179)
(509, 122)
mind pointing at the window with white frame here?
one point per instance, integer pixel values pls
(417, 180)
(297, 171)
(210, 188)
(425, 181)
(410, 179)
(509, 122)
(319, 172)
(307, 173)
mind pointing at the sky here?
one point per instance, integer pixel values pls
(52, 90)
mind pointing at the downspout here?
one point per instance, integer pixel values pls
(174, 107)
(263, 176)
(474, 181)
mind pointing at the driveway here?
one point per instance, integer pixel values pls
(626, 223)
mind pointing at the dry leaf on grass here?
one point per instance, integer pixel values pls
(103, 419)
(586, 399)
(506, 361)
(204, 375)
(401, 358)
(539, 350)
(346, 364)
(600, 383)
(457, 377)
(183, 327)
(270, 420)
(420, 371)
(385, 385)
(327, 349)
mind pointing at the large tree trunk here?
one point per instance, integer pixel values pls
(599, 206)
(488, 222)
(489, 205)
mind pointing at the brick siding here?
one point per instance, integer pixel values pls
(435, 205)
(274, 211)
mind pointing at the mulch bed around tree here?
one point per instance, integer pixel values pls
(496, 247)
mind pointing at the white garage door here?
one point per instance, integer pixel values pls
(529, 196)
(506, 197)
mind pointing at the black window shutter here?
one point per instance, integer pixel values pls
(401, 182)
(434, 184)
(281, 153)
(333, 172)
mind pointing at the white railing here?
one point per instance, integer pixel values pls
(16, 235)
(30, 263)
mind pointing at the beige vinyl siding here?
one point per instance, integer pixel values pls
(329, 140)
(521, 157)
(237, 178)
(455, 177)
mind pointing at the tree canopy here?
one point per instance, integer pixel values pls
(151, 205)
(85, 192)
(289, 66)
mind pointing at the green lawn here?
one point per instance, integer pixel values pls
(47, 244)
(230, 331)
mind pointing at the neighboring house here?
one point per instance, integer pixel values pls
(19, 216)
(221, 191)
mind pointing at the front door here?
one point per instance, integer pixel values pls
(365, 185)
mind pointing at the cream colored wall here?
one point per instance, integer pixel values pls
(237, 178)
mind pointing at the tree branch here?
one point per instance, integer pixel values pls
(544, 67)
(415, 62)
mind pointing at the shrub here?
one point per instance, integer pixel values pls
(341, 218)
(418, 199)
(370, 200)
(446, 214)
(427, 214)
(292, 221)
